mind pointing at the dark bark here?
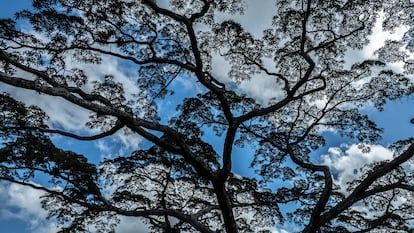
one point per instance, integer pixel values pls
(226, 207)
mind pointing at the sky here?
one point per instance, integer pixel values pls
(20, 211)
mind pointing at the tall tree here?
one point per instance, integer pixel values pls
(181, 180)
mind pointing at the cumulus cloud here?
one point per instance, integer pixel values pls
(23, 203)
(262, 89)
(348, 158)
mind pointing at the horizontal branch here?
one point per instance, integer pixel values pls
(137, 125)
(107, 207)
(113, 130)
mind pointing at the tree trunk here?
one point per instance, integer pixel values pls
(225, 207)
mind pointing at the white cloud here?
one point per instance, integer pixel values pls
(131, 225)
(379, 36)
(25, 198)
(130, 141)
(377, 40)
(279, 231)
(103, 147)
(61, 112)
(345, 160)
(261, 88)
(23, 203)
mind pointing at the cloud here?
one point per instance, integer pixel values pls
(131, 225)
(62, 113)
(348, 158)
(70, 117)
(104, 148)
(23, 203)
(377, 40)
(130, 141)
(256, 18)
(261, 88)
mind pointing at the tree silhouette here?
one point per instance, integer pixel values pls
(179, 181)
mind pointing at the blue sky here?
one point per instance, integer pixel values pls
(8, 8)
(395, 119)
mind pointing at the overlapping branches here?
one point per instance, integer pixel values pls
(307, 45)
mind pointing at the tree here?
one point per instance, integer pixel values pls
(179, 181)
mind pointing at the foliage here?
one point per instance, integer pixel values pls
(180, 180)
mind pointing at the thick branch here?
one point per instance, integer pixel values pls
(385, 188)
(203, 11)
(227, 153)
(135, 124)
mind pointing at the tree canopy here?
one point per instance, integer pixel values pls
(181, 177)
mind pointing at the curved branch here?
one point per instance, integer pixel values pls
(113, 130)
(153, 5)
(288, 99)
(291, 95)
(314, 222)
(203, 11)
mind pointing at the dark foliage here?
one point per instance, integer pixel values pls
(182, 181)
